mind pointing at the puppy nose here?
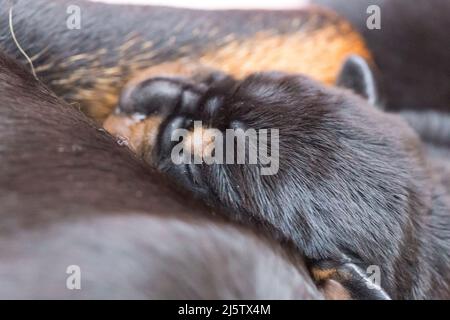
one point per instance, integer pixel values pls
(160, 96)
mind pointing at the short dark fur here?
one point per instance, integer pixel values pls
(353, 181)
(70, 194)
(409, 192)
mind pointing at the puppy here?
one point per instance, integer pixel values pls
(354, 184)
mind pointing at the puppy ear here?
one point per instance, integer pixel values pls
(358, 76)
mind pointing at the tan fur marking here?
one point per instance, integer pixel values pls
(319, 54)
(323, 274)
(181, 68)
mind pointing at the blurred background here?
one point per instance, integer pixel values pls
(218, 4)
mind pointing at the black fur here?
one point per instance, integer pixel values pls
(353, 181)
(411, 49)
